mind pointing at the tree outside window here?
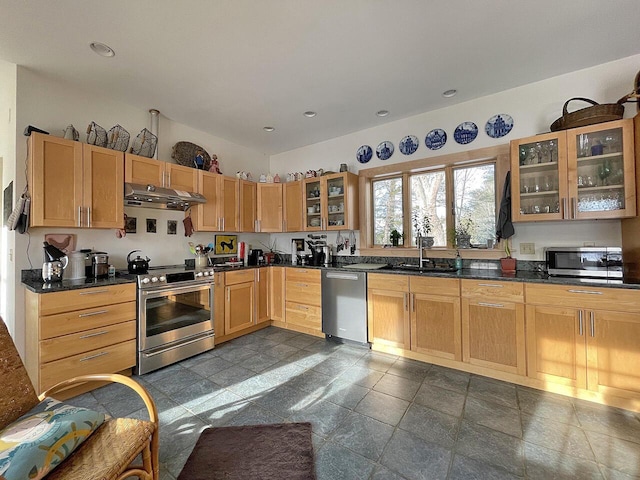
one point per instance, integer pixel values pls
(387, 209)
(475, 198)
(429, 199)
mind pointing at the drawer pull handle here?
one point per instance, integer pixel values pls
(494, 285)
(587, 292)
(495, 305)
(592, 321)
(91, 314)
(580, 324)
(97, 334)
(302, 285)
(94, 292)
(91, 357)
(302, 307)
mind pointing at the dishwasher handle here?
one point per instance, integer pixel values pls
(343, 276)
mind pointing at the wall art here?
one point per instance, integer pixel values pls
(172, 227)
(499, 125)
(385, 150)
(226, 244)
(364, 154)
(435, 139)
(409, 144)
(465, 133)
(131, 224)
(151, 225)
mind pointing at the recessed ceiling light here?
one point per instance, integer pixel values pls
(449, 93)
(309, 114)
(102, 49)
(382, 113)
(268, 129)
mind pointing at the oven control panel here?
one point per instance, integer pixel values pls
(174, 277)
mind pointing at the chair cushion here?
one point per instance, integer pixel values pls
(39, 440)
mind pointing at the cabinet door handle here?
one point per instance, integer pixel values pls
(88, 216)
(406, 306)
(163, 184)
(494, 305)
(413, 302)
(580, 324)
(91, 357)
(302, 307)
(223, 222)
(79, 216)
(493, 285)
(586, 292)
(169, 179)
(303, 285)
(97, 334)
(592, 321)
(94, 292)
(564, 207)
(91, 314)
(284, 225)
(574, 207)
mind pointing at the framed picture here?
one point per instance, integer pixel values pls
(172, 226)
(299, 244)
(130, 224)
(151, 225)
(226, 245)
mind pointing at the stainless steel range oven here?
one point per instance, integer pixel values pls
(175, 316)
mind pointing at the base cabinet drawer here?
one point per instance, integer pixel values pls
(76, 343)
(309, 316)
(80, 320)
(58, 302)
(109, 359)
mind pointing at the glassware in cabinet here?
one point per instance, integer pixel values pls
(313, 204)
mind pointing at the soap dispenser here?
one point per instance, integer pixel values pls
(458, 260)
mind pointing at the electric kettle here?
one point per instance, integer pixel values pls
(55, 263)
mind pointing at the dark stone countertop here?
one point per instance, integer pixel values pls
(32, 280)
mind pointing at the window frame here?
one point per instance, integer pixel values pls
(498, 155)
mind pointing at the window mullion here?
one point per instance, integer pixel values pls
(451, 219)
(406, 210)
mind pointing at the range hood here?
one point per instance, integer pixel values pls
(150, 196)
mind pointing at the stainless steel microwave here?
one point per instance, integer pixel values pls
(595, 262)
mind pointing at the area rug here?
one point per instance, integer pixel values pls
(257, 452)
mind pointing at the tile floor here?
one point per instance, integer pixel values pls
(377, 416)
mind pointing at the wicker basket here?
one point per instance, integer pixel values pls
(587, 116)
(118, 138)
(144, 144)
(184, 153)
(96, 135)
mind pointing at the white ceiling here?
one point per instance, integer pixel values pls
(230, 67)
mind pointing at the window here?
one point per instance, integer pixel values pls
(475, 201)
(429, 207)
(387, 209)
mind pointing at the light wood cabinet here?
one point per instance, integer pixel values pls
(493, 325)
(247, 205)
(74, 184)
(577, 174)
(584, 337)
(303, 300)
(435, 317)
(269, 206)
(221, 213)
(240, 294)
(79, 332)
(388, 317)
(292, 204)
(331, 202)
(262, 294)
(144, 171)
(276, 293)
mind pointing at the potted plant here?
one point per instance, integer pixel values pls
(508, 263)
(463, 232)
(422, 227)
(395, 237)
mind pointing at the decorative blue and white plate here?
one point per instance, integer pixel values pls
(499, 125)
(385, 150)
(465, 133)
(409, 144)
(435, 139)
(364, 154)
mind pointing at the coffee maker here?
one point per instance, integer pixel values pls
(55, 263)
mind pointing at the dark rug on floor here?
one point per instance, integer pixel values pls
(257, 452)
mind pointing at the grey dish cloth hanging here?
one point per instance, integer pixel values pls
(504, 227)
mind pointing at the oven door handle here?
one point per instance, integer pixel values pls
(162, 349)
(164, 291)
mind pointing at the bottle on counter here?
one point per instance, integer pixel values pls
(294, 252)
(458, 260)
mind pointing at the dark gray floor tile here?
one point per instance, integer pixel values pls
(343, 393)
(397, 386)
(414, 458)
(164, 473)
(383, 473)
(196, 393)
(555, 407)
(261, 344)
(561, 437)
(259, 362)
(490, 446)
(174, 464)
(361, 376)
(310, 381)
(334, 367)
(336, 462)
(184, 379)
(410, 369)
(246, 340)
(163, 373)
(465, 468)
(300, 341)
(610, 421)
(286, 401)
(210, 366)
(231, 376)
(237, 354)
(430, 425)
(611, 474)
(324, 416)
(281, 335)
(351, 353)
(543, 463)
(492, 415)
(380, 362)
(181, 434)
(307, 359)
(447, 379)
(493, 391)
(363, 435)
(254, 386)
(322, 346)
(168, 410)
(196, 360)
(616, 453)
(440, 399)
(252, 414)
(382, 407)
(282, 372)
(85, 400)
(281, 351)
(219, 410)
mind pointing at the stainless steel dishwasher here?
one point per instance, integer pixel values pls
(344, 305)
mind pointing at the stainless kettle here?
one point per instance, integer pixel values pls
(138, 265)
(52, 271)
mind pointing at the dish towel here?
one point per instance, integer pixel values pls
(504, 227)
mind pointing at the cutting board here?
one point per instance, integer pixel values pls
(366, 266)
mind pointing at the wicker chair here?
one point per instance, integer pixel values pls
(109, 452)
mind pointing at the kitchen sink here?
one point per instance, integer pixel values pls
(424, 269)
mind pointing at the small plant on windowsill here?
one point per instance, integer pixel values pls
(463, 232)
(508, 263)
(422, 227)
(395, 237)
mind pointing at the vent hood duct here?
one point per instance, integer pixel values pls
(150, 196)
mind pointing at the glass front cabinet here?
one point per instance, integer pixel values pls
(330, 202)
(577, 174)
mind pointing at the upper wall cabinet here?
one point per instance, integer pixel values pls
(74, 184)
(578, 174)
(292, 204)
(269, 207)
(144, 171)
(221, 212)
(331, 202)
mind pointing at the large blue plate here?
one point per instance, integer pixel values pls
(435, 139)
(409, 144)
(465, 133)
(385, 150)
(499, 125)
(364, 154)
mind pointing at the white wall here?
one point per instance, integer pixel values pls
(50, 105)
(533, 107)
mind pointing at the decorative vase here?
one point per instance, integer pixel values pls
(395, 242)
(508, 265)
(463, 241)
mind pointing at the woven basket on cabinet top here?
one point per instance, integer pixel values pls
(587, 116)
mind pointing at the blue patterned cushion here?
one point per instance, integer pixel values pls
(38, 441)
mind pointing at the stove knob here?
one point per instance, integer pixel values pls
(163, 278)
(206, 274)
(145, 280)
(154, 279)
(199, 274)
